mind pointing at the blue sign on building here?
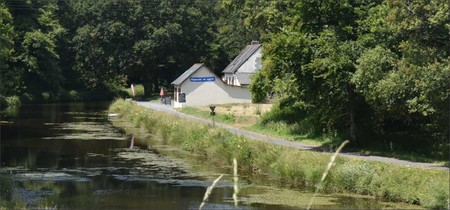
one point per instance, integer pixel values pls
(203, 79)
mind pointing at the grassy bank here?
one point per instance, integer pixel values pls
(295, 132)
(295, 168)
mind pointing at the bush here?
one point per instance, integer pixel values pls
(12, 101)
(258, 88)
(46, 96)
(9, 101)
(74, 95)
(229, 117)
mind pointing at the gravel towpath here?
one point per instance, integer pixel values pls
(284, 142)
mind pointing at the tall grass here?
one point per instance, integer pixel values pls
(235, 179)
(293, 167)
(8, 199)
(228, 118)
(325, 173)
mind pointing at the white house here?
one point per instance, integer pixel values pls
(246, 64)
(199, 86)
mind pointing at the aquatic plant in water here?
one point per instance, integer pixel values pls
(208, 191)
(235, 178)
(132, 142)
(236, 189)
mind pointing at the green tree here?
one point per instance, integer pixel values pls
(37, 35)
(317, 47)
(103, 41)
(231, 32)
(364, 70)
(404, 72)
(10, 78)
(7, 35)
(175, 39)
(150, 42)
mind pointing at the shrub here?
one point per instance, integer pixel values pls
(258, 110)
(12, 101)
(74, 95)
(229, 117)
(46, 96)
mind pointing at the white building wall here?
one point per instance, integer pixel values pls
(217, 92)
(253, 63)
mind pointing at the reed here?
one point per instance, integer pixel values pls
(325, 173)
(132, 142)
(208, 191)
(235, 178)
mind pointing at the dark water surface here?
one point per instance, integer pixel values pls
(70, 156)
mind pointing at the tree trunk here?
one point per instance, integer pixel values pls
(147, 88)
(353, 126)
(150, 85)
(354, 137)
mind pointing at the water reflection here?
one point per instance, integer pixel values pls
(70, 156)
(132, 142)
(52, 136)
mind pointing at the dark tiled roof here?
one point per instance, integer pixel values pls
(245, 54)
(187, 73)
(244, 78)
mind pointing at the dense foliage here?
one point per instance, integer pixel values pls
(363, 70)
(376, 72)
(54, 50)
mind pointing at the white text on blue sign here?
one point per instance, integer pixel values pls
(203, 79)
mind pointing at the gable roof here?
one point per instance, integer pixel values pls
(187, 73)
(243, 56)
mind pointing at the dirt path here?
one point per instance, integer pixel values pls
(284, 142)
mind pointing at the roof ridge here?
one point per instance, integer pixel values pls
(187, 73)
(241, 58)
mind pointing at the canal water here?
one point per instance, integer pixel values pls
(70, 156)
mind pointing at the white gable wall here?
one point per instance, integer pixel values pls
(253, 64)
(216, 92)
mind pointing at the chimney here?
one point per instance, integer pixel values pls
(254, 42)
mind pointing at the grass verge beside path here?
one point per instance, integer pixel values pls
(295, 168)
(247, 122)
(291, 132)
(229, 119)
(275, 131)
